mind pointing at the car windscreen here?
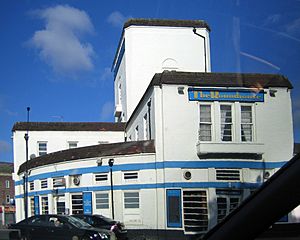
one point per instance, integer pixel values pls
(78, 222)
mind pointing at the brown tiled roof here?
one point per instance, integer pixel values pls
(68, 126)
(201, 79)
(166, 22)
(101, 150)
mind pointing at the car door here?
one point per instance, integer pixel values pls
(36, 228)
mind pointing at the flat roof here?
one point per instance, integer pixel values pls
(166, 23)
(101, 150)
(68, 126)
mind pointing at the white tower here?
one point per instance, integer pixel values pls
(149, 46)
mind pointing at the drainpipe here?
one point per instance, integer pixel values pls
(149, 112)
(204, 40)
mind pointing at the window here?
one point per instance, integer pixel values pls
(226, 123)
(136, 133)
(130, 175)
(195, 211)
(145, 124)
(58, 182)
(102, 200)
(7, 199)
(7, 184)
(32, 206)
(246, 124)
(101, 177)
(119, 93)
(44, 183)
(60, 205)
(31, 185)
(72, 145)
(45, 209)
(227, 200)
(131, 199)
(42, 148)
(77, 204)
(205, 123)
(174, 208)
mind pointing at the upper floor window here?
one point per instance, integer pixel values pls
(246, 124)
(42, 148)
(205, 123)
(130, 175)
(136, 133)
(7, 184)
(72, 145)
(226, 123)
(59, 182)
(145, 123)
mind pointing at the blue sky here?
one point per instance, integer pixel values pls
(55, 56)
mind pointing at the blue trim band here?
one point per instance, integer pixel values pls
(158, 165)
(148, 186)
(122, 51)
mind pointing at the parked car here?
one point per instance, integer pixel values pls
(58, 227)
(100, 221)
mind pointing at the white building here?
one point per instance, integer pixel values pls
(196, 143)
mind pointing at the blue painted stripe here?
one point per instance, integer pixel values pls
(159, 165)
(149, 186)
(122, 51)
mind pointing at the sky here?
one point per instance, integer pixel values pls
(56, 56)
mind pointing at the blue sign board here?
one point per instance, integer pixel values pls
(87, 203)
(36, 205)
(196, 94)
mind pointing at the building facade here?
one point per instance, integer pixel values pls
(194, 145)
(7, 194)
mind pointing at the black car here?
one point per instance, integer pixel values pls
(58, 227)
(100, 221)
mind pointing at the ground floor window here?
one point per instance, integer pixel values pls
(227, 200)
(60, 205)
(45, 208)
(131, 199)
(195, 210)
(32, 206)
(77, 204)
(174, 208)
(102, 200)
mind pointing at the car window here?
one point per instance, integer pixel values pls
(37, 221)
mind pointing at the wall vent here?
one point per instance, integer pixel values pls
(228, 174)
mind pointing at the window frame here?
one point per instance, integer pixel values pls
(42, 152)
(206, 123)
(7, 184)
(252, 122)
(231, 124)
(106, 203)
(131, 203)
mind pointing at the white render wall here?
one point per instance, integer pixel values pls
(153, 49)
(58, 140)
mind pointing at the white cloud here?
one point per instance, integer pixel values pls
(116, 19)
(272, 19)
(294, 27)
(106, 74)
(107, 111)
(4, 146)
(59, 44)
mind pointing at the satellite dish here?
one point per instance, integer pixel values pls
(32, 156)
